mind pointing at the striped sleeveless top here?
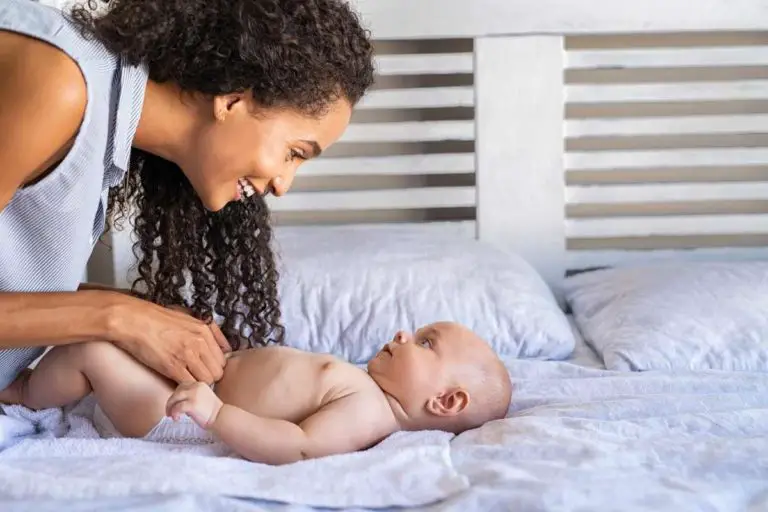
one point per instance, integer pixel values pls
(49, 229)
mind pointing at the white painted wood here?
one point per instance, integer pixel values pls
(425, 64)
(422, 97)
(662, 192)
(394, 199)
(667, 225)
(736, 124)
(122, 257)
(589, 259)
(447, 229)
(613, 160)
(416, 131)
(427, 19)
(668, 57)
(668, 92)
(519, 147)
(520, 99)
(441, 163)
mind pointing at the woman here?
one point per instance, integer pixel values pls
(185, 113)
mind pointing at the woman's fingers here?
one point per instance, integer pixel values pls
(219, 337)
(215, 351)
(214, 361)
(179, 374)
(199, 369)
(173, 343)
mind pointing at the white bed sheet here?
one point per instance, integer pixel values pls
(580, 437)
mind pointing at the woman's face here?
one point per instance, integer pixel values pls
(243, 150)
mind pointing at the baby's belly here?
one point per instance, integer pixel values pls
(274, 383)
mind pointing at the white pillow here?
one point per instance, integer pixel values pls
(675, 316)
(347, 290)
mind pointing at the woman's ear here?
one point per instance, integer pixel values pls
(451, 403)
(225, 104)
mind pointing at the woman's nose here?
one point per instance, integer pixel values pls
(280, 185)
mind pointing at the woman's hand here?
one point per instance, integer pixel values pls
(169, 341)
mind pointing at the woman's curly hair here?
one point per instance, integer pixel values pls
(299, 54)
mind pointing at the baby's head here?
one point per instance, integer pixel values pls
(442, 377)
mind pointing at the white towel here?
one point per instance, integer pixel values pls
(408, 469)
(13, 430)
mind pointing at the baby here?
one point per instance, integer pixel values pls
(278, 405)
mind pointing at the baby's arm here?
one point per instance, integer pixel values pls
(347, 424)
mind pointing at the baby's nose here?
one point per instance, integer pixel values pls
(400, 338)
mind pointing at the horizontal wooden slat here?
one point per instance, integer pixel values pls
(419, 131)
(430, 19)
(575, 128)
(422, 97)
(671, 92)
(443, 163)
(667, 57)
(671, 225)
(622, 194)
(448, 229)
(395, 199)
(614, 160)
(425, 64)
(591, 259)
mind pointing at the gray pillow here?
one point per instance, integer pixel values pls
(347, 290)
(686, 316)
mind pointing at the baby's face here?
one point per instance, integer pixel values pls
(415, 367)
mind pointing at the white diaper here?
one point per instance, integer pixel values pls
(184, 431)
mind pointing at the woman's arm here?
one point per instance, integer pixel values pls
(43, 98)
(41, 319)
(169, 341)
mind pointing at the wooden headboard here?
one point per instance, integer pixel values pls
(578, 133)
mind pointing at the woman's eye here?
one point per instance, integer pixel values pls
(294, 154)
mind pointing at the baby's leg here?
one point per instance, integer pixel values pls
(131, 395)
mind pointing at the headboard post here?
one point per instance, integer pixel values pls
(519, 109)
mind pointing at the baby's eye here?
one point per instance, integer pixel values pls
(426, 343)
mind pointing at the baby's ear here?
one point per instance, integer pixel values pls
(450, 403)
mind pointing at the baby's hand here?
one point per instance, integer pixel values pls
(197, 400)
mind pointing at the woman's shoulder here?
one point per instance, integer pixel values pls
(44, 97)
(30, 63)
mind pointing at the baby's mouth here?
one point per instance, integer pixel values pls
(386, 350)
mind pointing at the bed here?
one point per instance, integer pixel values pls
(586, 183)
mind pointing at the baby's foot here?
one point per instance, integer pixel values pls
(14, 393)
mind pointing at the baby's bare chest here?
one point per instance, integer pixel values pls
(282, 383)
